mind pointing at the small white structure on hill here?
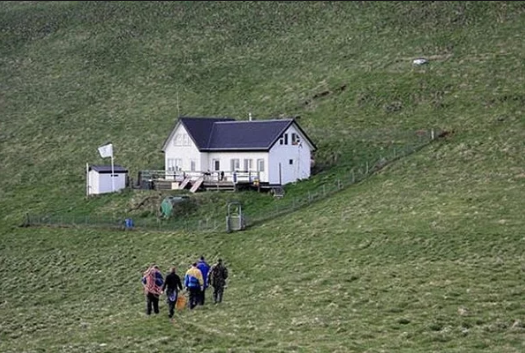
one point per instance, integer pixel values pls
(99, 179)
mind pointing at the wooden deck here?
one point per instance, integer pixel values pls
(197, 181)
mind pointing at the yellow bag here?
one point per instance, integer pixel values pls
(181, 302)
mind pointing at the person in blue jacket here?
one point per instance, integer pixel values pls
(194, 284)
(205, 268)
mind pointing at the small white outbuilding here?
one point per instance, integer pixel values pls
(101, 180)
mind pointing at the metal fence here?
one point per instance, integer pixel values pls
(283, 206)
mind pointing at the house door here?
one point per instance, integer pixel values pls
(216, 165)
(261, 169)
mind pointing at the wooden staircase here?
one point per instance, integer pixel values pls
(197, 185)
(184, 183)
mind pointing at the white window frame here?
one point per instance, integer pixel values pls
(193, 165)
(235, 164)
(260, 165)
(216, 164)
(296, 139)
(248, 163)
(177, 140)
(174, 164)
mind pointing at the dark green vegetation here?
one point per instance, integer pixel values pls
(425, 256)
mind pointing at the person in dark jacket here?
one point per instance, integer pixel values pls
(152, 282)
(194, 284)
(217, 278)
(171, 287)
(205, 268)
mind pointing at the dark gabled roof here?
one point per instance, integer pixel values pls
(227, 134)
(200, 128)
(246, 135)
(103, 169)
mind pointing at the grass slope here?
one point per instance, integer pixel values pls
(425, 256)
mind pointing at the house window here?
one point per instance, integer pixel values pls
(185, 140)
(290, 161)
(193, 165)
(181, 140)
(285, 139)
(174, 164)
(260, 165)
(281, 140)
(235, 164)
(216, 164)
(177, 140)
(247, 165)
(295, 139)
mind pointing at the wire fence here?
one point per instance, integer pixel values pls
(284, 205)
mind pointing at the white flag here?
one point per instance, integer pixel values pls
(106, 150)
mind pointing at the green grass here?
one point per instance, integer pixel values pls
(424, 256)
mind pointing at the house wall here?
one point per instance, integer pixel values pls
(299, 154)
(185, 152)
(100, 183)
(225, 163)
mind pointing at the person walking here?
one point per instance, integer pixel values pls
(217, 278)
(171, 287)
(194, 284)
(152, 281)
(203, 266)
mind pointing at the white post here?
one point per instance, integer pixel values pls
(112, 176)
(87, 180)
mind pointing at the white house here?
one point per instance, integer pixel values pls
(275, 152)
(99, 179)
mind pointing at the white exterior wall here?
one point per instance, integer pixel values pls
(100, 183)
(226, 157)
(185, 152)
(282, 154)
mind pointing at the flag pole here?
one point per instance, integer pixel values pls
(112, 176)
(87, 180)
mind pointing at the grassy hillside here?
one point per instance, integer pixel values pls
(425, 256)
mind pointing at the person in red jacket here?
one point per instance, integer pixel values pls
(152, 282)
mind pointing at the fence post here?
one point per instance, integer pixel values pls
(366, 173)
(353, 176)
